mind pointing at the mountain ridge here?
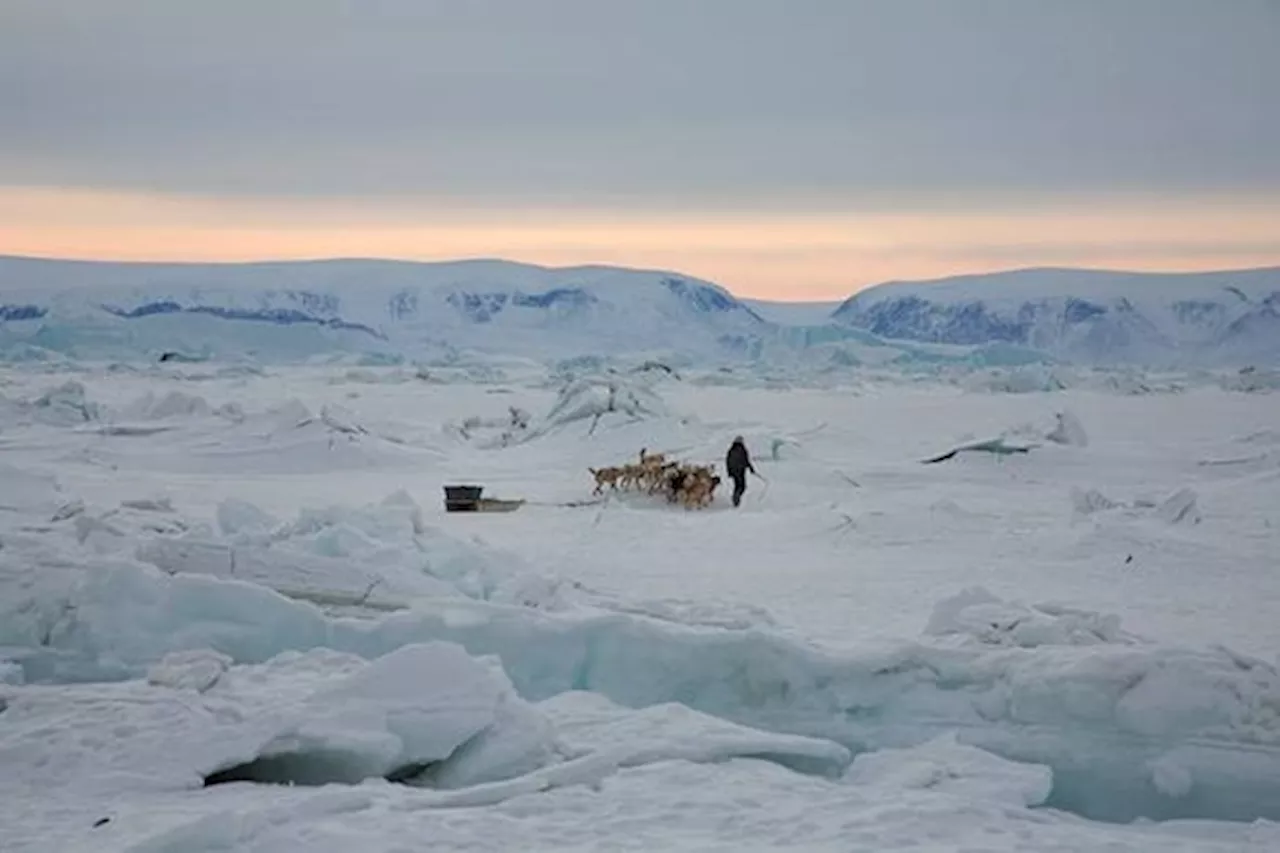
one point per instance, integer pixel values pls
(409, 305)
(1099, 316)
(1088, 315)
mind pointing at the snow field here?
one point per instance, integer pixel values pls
(871, 651)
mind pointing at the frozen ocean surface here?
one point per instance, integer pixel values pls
(235, 616)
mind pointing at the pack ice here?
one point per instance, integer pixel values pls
(237, 676)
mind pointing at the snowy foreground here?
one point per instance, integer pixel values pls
(235, 617)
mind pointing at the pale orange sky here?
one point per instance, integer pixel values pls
(804, 152)
(818, 255)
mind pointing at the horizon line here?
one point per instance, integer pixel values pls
(276, 261)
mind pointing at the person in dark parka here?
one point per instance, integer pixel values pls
(738, 462)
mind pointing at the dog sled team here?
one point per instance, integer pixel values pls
(691, 486)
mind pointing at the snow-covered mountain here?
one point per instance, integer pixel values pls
(1097, 316)
(297, 310)
(366, 305)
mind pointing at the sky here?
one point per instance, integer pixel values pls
(788, 149)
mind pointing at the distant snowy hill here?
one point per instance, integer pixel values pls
(367, 305)
(393, 309)
(1088, 316)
